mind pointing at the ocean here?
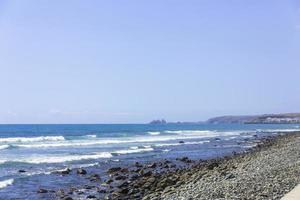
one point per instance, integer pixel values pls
(40, 150)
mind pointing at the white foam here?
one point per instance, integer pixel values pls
(277, 130)
(153, 133)
(31, 139)
(204, 133)
(178, 135)
(4, 146)
(6, 183)
(91, 136)
(185, 143)
(60, 158)
(128, 151)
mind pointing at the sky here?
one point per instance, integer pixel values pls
(137, 60)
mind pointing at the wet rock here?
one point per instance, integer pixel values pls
(22, 171)
(121, 178)
(67, 198)
(181, 142)
(41, 190)
(153, 165)
(65, 171)
(89, 187)
(94, 177)
(124, 190)
(137, 164)
(184, 159)
(148, 173)
(81, 171)
(217, 139)
(102, 191)
(109, 181)
(124, 170)
(114, 170)
(124, 184)
(91, 197)
(134, 177)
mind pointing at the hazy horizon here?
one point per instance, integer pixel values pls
(99, 62)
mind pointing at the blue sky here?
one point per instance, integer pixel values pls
(134, 61)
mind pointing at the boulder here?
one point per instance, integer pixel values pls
(114, 170)
(81, 171)
(41, 190)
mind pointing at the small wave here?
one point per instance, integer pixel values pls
(31, 139)
(6, 183)
(185, 143)
(4, 147)
(230, 138)
(191, 132)
(277, 130)
(91, 136)
(128, 151)
(153, 133)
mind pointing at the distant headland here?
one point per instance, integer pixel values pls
(286, 118)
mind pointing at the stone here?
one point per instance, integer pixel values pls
(41, 190)
(81, 171)
(114, 170)
(120, 178)
(91, 197)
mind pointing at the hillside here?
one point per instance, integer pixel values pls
(286, 118)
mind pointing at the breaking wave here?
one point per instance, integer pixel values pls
(31, 139)
(6, 183)
(6, 146)
(153, 133)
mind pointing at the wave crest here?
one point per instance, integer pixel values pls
(6, 183)
(31, 139)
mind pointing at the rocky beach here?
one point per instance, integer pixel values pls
(267, 171)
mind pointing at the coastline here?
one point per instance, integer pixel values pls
(267, 171)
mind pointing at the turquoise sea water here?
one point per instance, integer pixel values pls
(43, 149)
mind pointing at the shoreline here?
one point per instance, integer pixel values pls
(187, 179)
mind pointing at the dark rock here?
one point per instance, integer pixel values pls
(148, 173)
(184, 159)
(22, 171)
(124, 190)
(109, 181)
(181, 142)
(124, 184)
(137, 164)
(88, 187)
(114, 170)
(217, 139)
(153, 165)
(65, 172)
(134, 177)
(81, 171)
(91, 197)
(95, 177)
(120, 178)
(42, 191)
(124, 170)
(229, 176)
(102, 191)
(211, 166)
(68, 198)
